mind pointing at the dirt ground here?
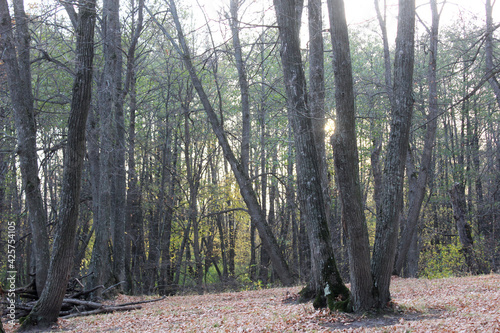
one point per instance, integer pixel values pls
(467, 304)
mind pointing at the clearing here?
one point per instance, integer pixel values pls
(466, 304)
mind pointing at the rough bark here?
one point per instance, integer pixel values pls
(165, 283)
(246, 190)
(244, 86)
(194, 170)
(324, 272)
(410, 228)
(19, 82)
(346, 158)
(47, 308)
(386, 234)
(457, 195)
(495, 85)
(317, 97)
(101, 256)
(119, 171)
(134, 247)
(382, 20)
(377, 141)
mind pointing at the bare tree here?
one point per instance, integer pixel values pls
(46, 310)
(386, 234)
(418, 190)
(345, 150)
(19, 80)
(324, 272)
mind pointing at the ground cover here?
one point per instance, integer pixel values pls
(465, 304)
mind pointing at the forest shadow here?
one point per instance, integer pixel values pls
(380, 319)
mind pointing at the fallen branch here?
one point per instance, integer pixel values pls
(85, 292)
(111, 287)
(142, 302)
(108, 309)
(90, 304)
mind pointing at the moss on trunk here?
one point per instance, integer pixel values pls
(333, 293)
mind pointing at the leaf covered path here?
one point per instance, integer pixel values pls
(467, 304)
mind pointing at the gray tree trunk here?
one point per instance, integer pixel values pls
(495, 85)
(386, 234)
(457, 195)
(46, 310)
(345, 151)
(19, 81)
(324, 272)
(119, 172)
(317, 98)
(415, 204)
(101, 256)
(134, 244)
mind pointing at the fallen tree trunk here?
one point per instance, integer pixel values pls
(73, 306)
(106, 309)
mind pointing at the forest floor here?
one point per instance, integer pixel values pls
(466, 304)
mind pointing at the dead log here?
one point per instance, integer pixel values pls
(107, 309)
(85, 292)
(142, 302)
(93, 305)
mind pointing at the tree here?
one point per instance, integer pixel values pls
(345, 151)
(324, 272)
(46, 310)
(108, 104)
(415, 204)
(19, 80)
(386, 234)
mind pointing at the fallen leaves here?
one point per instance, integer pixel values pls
(467, 304)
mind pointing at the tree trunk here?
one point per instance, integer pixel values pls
(386, 234)
(101, 257)
(382, 20)
(410, 228)
(317, 98)
(457, 195)
(119, 171)
(193, 175)
(165, 284)
(495, 85)
(248, 194)
(46, 310)
(19, 81)
(291, 209)
(345, 152)
(264, 257)
(133, 212)
(244, 86)
(324, 273)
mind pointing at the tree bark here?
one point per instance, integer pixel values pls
(244, 86)
(247, 193)
(386, 234)
(457, 195)
(382, 20)
(119, 171)
(19, 81)
(107, 97)
(46, 310)
(410, 228)
(317, 98)
(495, 85)
(324, 272)
(345, 152)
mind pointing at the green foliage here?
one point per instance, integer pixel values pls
(442, 261)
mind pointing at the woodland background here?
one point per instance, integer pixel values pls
(160, 210)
